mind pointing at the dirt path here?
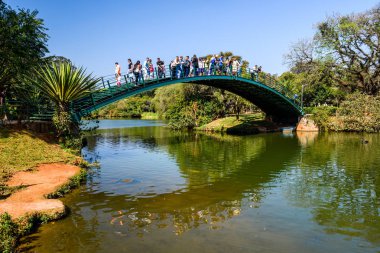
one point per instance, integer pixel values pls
(47, 178)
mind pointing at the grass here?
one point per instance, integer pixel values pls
(11, 230)
(21, 150)
(246, 124)
(149, 115)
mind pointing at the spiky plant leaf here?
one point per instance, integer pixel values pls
(64, 83)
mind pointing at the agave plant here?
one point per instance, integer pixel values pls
(64, 83)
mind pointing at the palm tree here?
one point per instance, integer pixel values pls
(63, 83)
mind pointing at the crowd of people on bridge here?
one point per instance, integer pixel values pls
(183, 67)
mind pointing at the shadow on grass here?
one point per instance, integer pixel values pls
(252, 124)
(6, 132)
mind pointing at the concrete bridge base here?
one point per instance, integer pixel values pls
(307, 124)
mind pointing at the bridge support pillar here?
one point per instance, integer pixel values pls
(307, 124)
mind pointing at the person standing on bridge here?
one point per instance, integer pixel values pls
(118, 74)
(130, 70)
(258, 72)
(230, 66)
(254, 73)
(174, 67)
(235, 66)
(151, 69)
(212, 65)
(160, 68)
(195, 64)
(137, 71)
(226, 66)
(180, 67)
(201, 66)
(221, 64)
(176, 64)
(186, 66)
(145, 69)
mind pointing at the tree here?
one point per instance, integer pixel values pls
(22, 44)
(301, 56)
(63, 83)
(352, 42)
(56, 59)
(343, 54)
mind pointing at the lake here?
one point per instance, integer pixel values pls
(158, 190)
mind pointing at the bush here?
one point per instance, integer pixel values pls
(8, 233)
(359, 113)
(321, 115)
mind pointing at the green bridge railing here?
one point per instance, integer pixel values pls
(247, 73)
(108, 87)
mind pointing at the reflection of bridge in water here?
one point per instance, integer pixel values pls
(212, 195)
(265, 92)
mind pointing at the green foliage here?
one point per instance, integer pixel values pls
(12, 230)
(63, 83)
(344, 53)
(8, 233)
(22, 44)
(319, 86)
(351, 42)
(189, 106)
(62, 122)
(132, 107)
(359, 113)
(149, 115)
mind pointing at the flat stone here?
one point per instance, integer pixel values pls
(47, 178)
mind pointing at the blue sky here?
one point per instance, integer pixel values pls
(96, 33)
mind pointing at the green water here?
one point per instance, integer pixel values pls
(163, 191)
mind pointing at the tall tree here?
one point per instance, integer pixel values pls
(352, 42)
(22, 44)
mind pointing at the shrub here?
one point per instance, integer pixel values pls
(8, 233)
(321, 115)
(359, 113)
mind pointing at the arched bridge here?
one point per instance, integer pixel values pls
(262, 90)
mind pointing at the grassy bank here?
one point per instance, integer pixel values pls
(246, 124)
(22, 150)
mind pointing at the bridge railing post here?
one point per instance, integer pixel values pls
(103, 83)
(92, 98)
